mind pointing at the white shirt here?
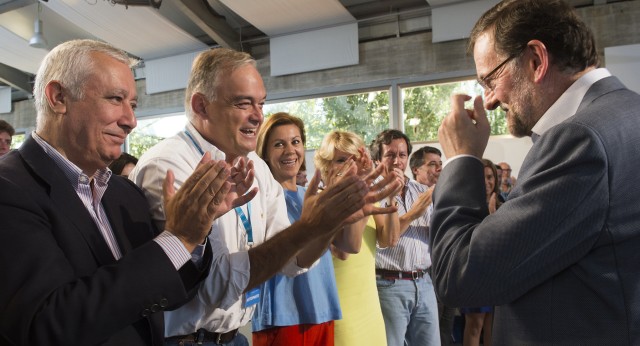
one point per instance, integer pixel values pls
(567, 104)
(219, 303)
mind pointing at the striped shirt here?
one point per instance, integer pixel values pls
(413, 249)
(90, 191)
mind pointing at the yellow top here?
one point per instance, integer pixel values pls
(361, 322)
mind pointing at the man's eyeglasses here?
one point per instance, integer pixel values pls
(486, 81)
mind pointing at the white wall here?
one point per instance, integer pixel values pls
(624, 63)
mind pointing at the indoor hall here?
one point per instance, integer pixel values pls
(319, 59)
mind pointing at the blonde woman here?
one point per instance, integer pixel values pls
(362, 322)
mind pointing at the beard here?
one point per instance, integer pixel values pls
(521, 116)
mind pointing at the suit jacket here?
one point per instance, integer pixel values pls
(60, 284)
(561, 258)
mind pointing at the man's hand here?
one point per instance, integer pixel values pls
(241, 179)
(421, 204)
(190, 211)
(464, 131)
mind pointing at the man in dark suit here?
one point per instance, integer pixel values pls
(80, 260)
(560, 258)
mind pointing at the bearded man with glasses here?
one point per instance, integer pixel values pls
(559, 259)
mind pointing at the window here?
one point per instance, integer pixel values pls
(426, 106)
(152, 130)
(365, 114)
(17, 140)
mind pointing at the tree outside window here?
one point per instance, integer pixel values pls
(426, 106)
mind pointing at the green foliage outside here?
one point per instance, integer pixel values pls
(152, 130)
(426, 106)
(368, 113)
(17, 140)
(140, 142)
(365, 114)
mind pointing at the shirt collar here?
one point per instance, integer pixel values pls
(567, 104)
(203, 144)
(73, 173)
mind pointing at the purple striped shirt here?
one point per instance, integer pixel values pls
(92, 200)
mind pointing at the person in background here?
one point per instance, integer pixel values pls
(82, 262)
(559, 259)
(362, 322)
(478, 320)
(293, 310)
(506, 180)
(301, 177)
(407, 297)
(426, 165)
(223, 102)
(123, 165)
(6, 133)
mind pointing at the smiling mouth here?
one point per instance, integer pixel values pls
(288, 162)
(120, 137)
(249, 132)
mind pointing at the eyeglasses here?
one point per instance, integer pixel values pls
(486, 81)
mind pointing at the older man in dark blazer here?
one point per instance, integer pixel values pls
(80, 260)
(560, 259)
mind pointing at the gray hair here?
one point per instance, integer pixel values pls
(207, 69)
(71, 63)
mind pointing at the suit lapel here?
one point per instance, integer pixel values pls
(65, 199)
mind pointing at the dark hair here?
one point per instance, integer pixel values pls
(273, 121)
(118, 164)
(555, 23)
(496, 183)
(6, 127)
(385, 137)
(417, 159)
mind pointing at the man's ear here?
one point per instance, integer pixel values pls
(199, 105)
(56, 98)
(539, 62)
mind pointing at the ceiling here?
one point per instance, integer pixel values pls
(182, 26)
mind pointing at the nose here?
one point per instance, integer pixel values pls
(257, 115)
(288, 148)
(128, 119)
(490, 100)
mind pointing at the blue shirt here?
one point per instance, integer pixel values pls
(309, 298)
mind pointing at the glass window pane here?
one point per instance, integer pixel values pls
(365, 114)
(426, 106)
(152, 130)
(17, 140)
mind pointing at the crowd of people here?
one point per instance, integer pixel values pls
(217, 227)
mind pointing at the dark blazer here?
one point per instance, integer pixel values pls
(561, 258)
(59, 282)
